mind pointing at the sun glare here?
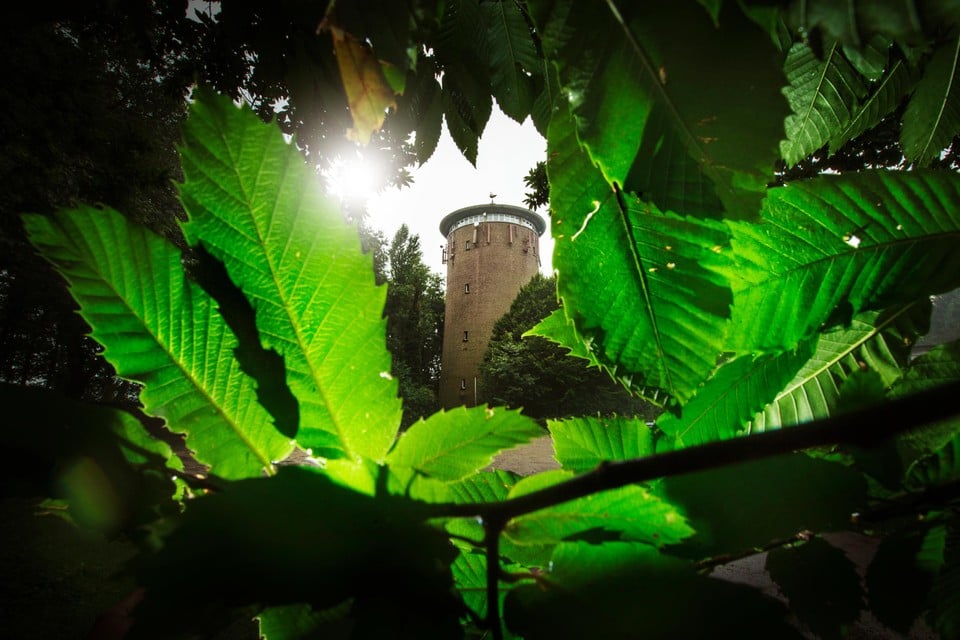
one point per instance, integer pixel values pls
(354, 178)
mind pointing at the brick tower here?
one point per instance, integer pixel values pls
(492, 250)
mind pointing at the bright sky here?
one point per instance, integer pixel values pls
(447, 181)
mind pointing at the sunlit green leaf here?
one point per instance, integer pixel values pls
(450, 445)
(162, 330)
(488, 486)
(877, 341)
(831, 247)
(630, 276)
(727, 401)
(254, 204)
(562, 331)
(583, 443)
(628, 513)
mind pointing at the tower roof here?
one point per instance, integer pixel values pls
(451, 219)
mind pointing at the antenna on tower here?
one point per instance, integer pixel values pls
(492, 196)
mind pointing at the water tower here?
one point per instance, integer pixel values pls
(492, 250)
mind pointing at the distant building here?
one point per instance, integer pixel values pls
(492, 250)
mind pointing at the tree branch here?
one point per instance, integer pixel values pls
(863, 428)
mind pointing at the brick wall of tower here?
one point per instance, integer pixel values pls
(482, 282)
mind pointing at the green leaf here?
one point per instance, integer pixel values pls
(822, 95)
(562, 331)
(256, 206)
(629, 513)
(902, 573)
(654, 117)
(423, 104)
(512, 56)
(828, 248)
(854, 23)
(727, 401)
(470, 575)
(870, 61)
(821, 583)
(484, 487)
(299, 538)
(637, 593)
(102, 468)
(369, 95)
(547, 96)
(630, 276)
(938, 366)
(583, 443)
(296, 622)
(944, 612)
(451, 445)
(885, 96)
(162, 331)
(932, 118)
(877, 341)
(940, 467)
(462, 51)
(745, 506)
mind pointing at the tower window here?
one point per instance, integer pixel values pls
(466, 287)
(468, 245)
(466, 336)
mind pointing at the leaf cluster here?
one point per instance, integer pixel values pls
(773, 318)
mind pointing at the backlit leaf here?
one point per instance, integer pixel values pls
(369, 95)
(628, 513)
(583, 443)
(450, 445)
(257, 207)
(162, 330)
(876, 341)
(828, 248)
(560, 330)
(630, 276)
(727, 401)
